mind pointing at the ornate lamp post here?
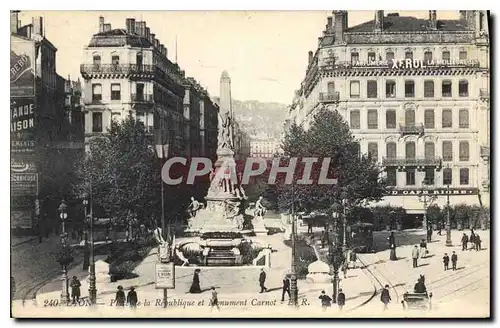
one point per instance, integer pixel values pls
(86, 263)
(344, 225)
(293, 274)
(92, 286)
(64, 257)
(337, 258)
(448, 221)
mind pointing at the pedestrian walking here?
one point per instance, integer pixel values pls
(262, 281)
(326, 301)
(353, 257)
(214, 301)
(423, 248)
(132, 298)
(341, 299)
(75, 289)
(472, 239)
(446, 261)
(465, 241)
(440, 228)
(392, 246)
(323, 239)
(454, 259)
(344, 269)
(414, 256)
(429, 234)
(309, 227)
(477, 242)
(385, 297)
(120, 297)
(195, 285)
(285, 288)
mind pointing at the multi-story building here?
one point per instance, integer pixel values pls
(415, 93)
(44, 138)
(127, 72)
(264, 147)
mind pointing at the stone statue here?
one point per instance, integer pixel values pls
(260, 210)
(181, 256)
(225, 138)
(194, 207)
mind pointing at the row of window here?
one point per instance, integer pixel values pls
(429, 150)
(445, 56)
(115, 59)
(429, 119)
(116, 91)
(429, 178)
(409, 87)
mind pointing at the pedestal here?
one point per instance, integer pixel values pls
(393, 256)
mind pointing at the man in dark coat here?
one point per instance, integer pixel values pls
(429, 234)
(477, 242)
(454, 259)
(75, 289)
(286, 288)
(132, 297)
(341, 299)
(120, 297)
(446, 261)
(385, 296)
(262, 280)
(326, 301)
(392, 246)
(465, 241)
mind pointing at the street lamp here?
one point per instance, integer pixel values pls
(64, 258)
(448, 221)
(344, 225)
(337, 258)
(92, 285)
(335, 216)
(86, 263)
(293, 274)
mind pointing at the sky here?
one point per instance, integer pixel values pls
(264, 52)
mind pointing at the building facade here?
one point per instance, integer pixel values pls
(127, 72)
(264, 147)
(415, 93)
(46, 130)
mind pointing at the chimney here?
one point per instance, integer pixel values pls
(329, 25)
(148, 32)
(432, 20)
(157, 44)
(310, 57)
(340, 24)
(130, 24)
(463, 14)
(107, 27)
(101, 24)
(379, 21)
(470, 19)
(143, 29)
(183, 73)
(138, 26)
(38, 25)
(14, 21)
(152, 38)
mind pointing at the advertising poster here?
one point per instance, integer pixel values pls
(22, 67)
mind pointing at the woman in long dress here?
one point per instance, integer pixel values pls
(195, 286)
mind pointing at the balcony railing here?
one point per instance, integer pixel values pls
(141, 98)
(484, 94)
(327, 97)
(417, 129)
(398, 161)
(89, 69)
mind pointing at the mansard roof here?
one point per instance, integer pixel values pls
(118, 38)
(409, 24)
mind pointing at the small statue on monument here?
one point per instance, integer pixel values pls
(163, 246)
(194, 207)
(226, 134)
(260, 210)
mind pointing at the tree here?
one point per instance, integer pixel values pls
(121, 173)
(359, 176)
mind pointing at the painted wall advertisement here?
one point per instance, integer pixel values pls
(24, 177)
(22, 67)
